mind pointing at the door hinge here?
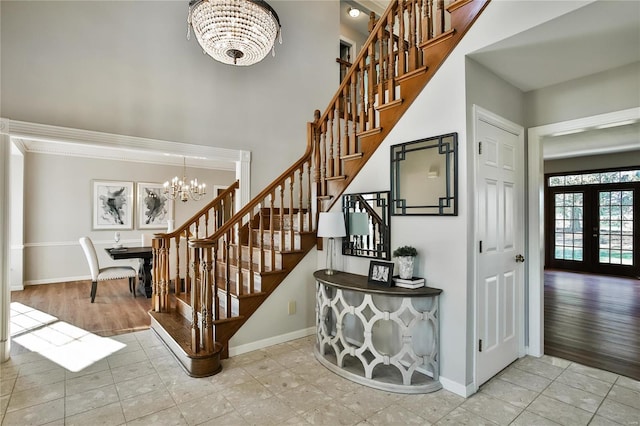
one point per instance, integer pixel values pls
(480, 246)
(480, 345)
(480, 148)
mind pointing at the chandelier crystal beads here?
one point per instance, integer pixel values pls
(235, 32)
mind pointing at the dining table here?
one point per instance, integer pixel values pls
(145, 254)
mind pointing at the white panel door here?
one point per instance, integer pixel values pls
(500, 214)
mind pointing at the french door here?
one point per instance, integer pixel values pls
(594, 228)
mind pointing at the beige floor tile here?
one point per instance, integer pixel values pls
(4, 402)
(509, 392)
(558, 362)
(7, 385)
(169, 417)
(334, 385)
(585, 383)
(156, 351)
(39, 414)
(305, 343)
(538, 367)
(42, 378)
(527, 418)
(267, 411)
(110, 414)
(304, 398)
(602, 421)
(281, 381)
(367, 401)
(619, 413)
(628, 383)
(605, 376)
(189, 388)
(231, 376)
(89, 400)
(200, 410)
(263, 367)
(39, 395)
(462, 417)
(131, 371)
(148, 339)
(246, 394)
(89, 382)
(293, 357)
(145, 404)
(491, 408)
(131, 345)
(572, 396)
(525, 379)
(39, 366)
(396, 414)
(9, 371)
(432, 406)
(93, 368)
(230, 419)
(139, 385)
(559, 412)
(332, 413)
(118, 359)
(625, 396)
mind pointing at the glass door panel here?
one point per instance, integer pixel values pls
(615, 227)
(569, 229)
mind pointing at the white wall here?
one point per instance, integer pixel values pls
(57, 201)
(594, 162)
(609, 91)
(125, 67)
(444, 243)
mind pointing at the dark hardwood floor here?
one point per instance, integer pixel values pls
(115, 310)
(593, 320)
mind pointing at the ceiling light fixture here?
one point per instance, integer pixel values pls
(353, 12)
(179, 189)
(235, 32)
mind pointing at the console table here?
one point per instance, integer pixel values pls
(382, 337)
(145, 254)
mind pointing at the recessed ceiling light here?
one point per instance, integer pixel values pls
(353, 12)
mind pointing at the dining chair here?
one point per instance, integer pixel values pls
(108, 273)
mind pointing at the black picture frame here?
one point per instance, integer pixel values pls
(381, 273)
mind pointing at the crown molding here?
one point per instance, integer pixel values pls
(54, 140)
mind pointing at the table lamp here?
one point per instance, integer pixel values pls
(331, 225)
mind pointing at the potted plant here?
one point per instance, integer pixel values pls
(406, 256)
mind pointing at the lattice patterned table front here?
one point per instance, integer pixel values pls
(386, 338)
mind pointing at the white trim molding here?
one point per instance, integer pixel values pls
(265, 343)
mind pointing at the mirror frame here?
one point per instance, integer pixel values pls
(447, 205)
(381, 238)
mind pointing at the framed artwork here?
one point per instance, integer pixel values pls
(154, 208)
(112, 202)
(381, 273)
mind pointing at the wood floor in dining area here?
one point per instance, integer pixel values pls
(115, 310)
(593, 320)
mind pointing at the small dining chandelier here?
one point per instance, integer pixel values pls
(180, 190)
(236, 32)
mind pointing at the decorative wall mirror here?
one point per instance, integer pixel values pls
(368, 226)
(424, 177)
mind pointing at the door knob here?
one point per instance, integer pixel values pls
(519, 258)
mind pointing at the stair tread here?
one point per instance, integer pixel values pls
(179, 328)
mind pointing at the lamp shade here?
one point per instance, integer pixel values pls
(331, 224)
(358, 223)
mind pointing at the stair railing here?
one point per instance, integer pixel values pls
(392, 53)
(201, 224)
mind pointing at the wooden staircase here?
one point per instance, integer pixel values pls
(231, 262)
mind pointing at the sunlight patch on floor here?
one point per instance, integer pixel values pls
(67, 345)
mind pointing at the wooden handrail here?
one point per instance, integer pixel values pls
(193, 219)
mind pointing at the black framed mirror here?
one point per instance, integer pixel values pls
(367, 224)
(424, 177)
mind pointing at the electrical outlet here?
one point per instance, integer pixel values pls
(292, 307)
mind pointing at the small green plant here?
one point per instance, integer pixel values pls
(405, 251)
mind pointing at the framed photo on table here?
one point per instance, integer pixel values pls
(381, 273)
(154, 208)
(112, 203)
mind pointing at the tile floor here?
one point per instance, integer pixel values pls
(142, 385)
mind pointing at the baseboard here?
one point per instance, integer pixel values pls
(265, 343)
(57, 280)
(16, 288)
(457, 388)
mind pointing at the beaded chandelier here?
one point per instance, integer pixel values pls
(236, 32)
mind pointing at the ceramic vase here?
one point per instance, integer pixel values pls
(405, 264)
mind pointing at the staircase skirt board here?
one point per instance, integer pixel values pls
(169, 327)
